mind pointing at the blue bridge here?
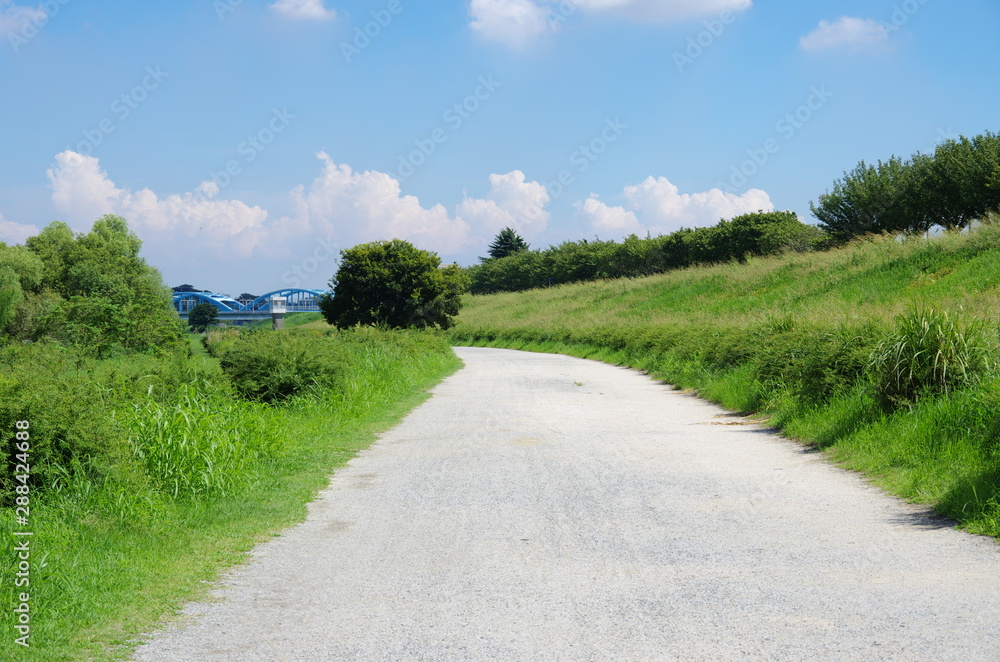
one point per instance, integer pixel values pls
(242, 311)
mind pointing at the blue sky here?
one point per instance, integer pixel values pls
(248, 142)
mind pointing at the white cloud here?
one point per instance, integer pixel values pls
(195, 231)
(517, 22)
(353, 207)
(194, 221)
(513, 22)
(339, 205)
(304, 9)
(15, 17)
(15, 233)
(511, 202)
(847, 32)
(617, 221)
(665, 10)
(658, 207)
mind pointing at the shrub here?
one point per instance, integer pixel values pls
(266, 366)
(757, 234)
(68, 410)
(812, 363)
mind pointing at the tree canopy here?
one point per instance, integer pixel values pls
(89, 289)
(395, 284)
(957, 184)
(506, 243)
(201, 316)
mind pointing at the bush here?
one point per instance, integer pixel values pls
(268, 367)
(812, 363)
(70, 403)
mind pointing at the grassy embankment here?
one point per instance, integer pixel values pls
(882, 353)
(294, 320)
(177, 474)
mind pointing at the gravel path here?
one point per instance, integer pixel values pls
(541, 507)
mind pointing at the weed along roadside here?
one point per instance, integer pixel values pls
(882, 353)
(178, 466)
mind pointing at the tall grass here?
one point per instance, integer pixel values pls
(204, 443)
(161, 475)
(930, 352)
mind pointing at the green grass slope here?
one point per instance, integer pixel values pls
(883, 353)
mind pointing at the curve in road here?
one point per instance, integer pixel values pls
(541, 507)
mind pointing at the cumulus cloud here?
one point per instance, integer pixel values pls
(310, 10)
(847, 32)
(340, 206)
(82, 192)
(15, 233)
(363, 206)
(15, 17)
(513, 22)
(517, 22)
(664, 10)
(613, 221)
(658, 207)
(511, 202)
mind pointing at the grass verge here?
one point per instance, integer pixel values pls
(111, 558)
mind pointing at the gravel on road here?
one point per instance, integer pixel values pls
(542, 507)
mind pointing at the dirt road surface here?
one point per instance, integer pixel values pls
(541, 507)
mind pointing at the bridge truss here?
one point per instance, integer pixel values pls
(296, 300)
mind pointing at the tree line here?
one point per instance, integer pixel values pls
(93, 291)
(957, 184)
(512, 266)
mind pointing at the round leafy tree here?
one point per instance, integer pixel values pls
(395, 284)
(202, 315)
